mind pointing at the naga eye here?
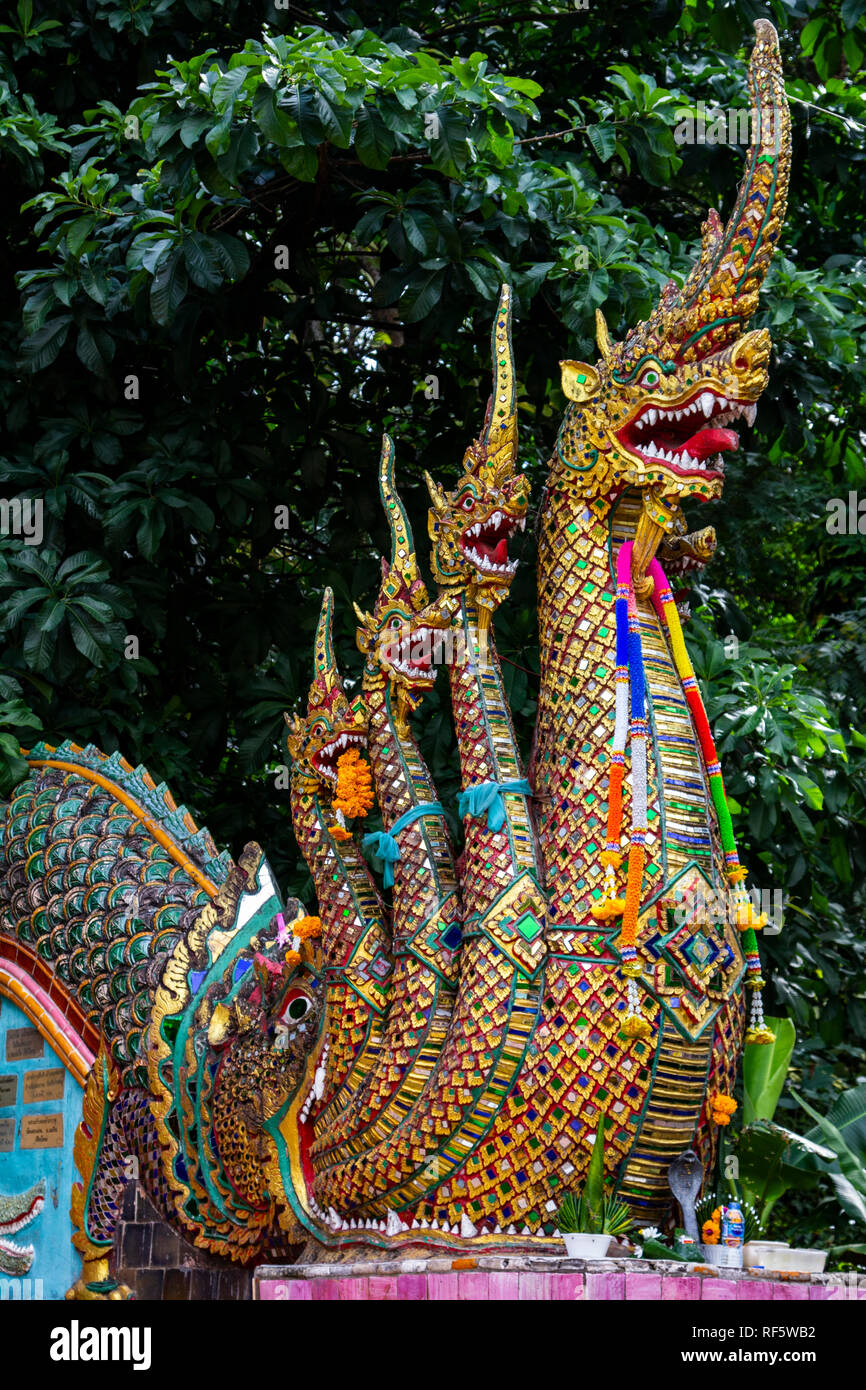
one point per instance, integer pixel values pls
(296, 1007)
(468, 503)
(649, 378)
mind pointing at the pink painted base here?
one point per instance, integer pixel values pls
(533, 1285)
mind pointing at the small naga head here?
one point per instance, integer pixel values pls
(250, 972)
(333, 723)
(655, 412)
(402, 637)
(471, 526)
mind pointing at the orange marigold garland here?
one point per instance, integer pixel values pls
(307, 927)
(354, 792)
(721, 1108)
(354, 785)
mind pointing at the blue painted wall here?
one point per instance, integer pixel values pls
(56, 1263)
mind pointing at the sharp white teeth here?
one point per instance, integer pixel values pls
(706, 401)
(678, 414)
(522, 523)
(652, 448)
(652, 416)
(750, 412)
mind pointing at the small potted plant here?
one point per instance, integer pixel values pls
(588, 1222)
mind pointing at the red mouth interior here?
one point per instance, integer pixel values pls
(682, 438)
(412, 655)
(487, 541)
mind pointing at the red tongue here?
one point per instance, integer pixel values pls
(707, 442)
(500, 552)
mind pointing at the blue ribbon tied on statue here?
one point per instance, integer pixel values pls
(383, 843)
(487, 796)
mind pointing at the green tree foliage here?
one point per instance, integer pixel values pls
(238, 246)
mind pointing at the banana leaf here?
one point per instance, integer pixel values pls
(847, 1114)
(654, 1250)
(764, 1070)
(844, 1130)
(765, 1152)
(593, 1187)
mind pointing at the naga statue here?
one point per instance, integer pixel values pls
(430, 1060)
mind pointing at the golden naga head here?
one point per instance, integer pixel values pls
(656, 410)
(471, 526)
(333, 724)
(402, 636)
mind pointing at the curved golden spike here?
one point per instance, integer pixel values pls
(326, 675)
(402, 543)
(402, 578)
(720, 295)
(500, 432)
(602, 336)
(726, 281)
(323, 652)
(437, 494)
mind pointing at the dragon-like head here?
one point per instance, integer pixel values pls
(240, 998)
(471, 526)
(333, 723)
(401, 638)
(657, 410)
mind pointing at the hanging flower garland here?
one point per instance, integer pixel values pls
(354, 792)
(631, 701)
(721, 1108)
(630, 698)
(747, 920)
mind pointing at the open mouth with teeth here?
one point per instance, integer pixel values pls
(688, 439)
(485, 544)
(325, 760)
(412, 655)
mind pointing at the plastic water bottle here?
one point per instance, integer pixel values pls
(733, 1226)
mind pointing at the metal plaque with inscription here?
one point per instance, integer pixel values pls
(24, 1044)
(44, 1085)
(7, 1134)
(8, 1090)
(42, 1132)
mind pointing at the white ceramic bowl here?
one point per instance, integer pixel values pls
(581, 1246)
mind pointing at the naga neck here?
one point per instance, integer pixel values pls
(403, 783)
